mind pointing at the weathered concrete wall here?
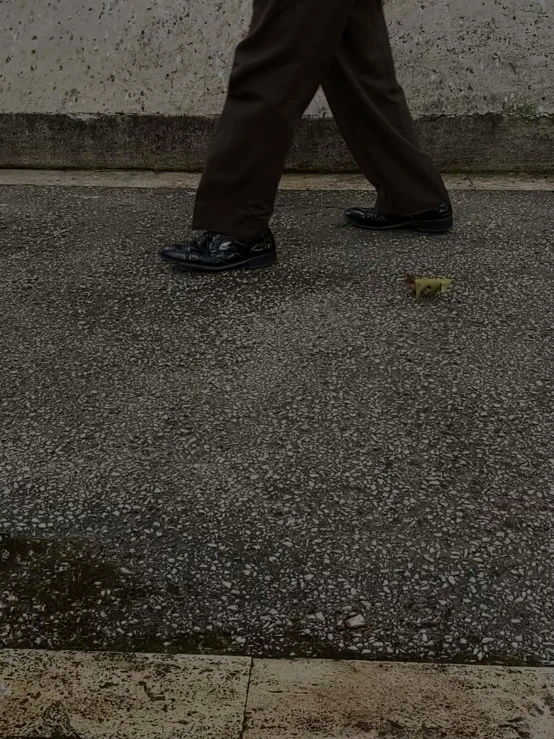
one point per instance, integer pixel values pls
(490, 59)
(456, 57)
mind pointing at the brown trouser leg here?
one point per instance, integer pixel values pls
(294, 46)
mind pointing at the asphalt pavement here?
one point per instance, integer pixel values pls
(303, 460)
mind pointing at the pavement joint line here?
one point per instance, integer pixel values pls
(301, 182)
(93, 695)
(246, 697)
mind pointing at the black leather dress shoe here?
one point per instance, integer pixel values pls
(213, 252)
(436, 220)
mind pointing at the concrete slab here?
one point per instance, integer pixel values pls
(115, 696)
(298, 461)
(353, 700)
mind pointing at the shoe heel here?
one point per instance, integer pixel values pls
(435, 227)
(264, 260)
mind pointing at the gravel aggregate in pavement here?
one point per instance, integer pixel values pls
(295, 461)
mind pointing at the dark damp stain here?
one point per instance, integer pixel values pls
(57, 589)
(62, 595)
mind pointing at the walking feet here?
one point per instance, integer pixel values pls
(213, 252)
(436, 220)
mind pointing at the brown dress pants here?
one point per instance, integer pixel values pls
(294, 46)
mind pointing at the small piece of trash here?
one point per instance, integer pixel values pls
(426, 286)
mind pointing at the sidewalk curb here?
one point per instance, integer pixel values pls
(98, 695)
(190, 181)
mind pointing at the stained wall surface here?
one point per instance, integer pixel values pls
(172, 57)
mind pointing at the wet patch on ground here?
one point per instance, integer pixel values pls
(57, 595)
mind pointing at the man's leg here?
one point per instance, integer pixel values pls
(277, 71)
(371, 111)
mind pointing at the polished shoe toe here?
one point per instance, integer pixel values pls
(182, 253)
(175, 252)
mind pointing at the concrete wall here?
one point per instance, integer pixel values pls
(83, 70)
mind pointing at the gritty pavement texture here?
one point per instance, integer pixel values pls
(88, 695)
(295, 461)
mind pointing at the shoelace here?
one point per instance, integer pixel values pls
(203, 238)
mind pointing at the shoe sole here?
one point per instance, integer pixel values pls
(442, 226)
(265, 260)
